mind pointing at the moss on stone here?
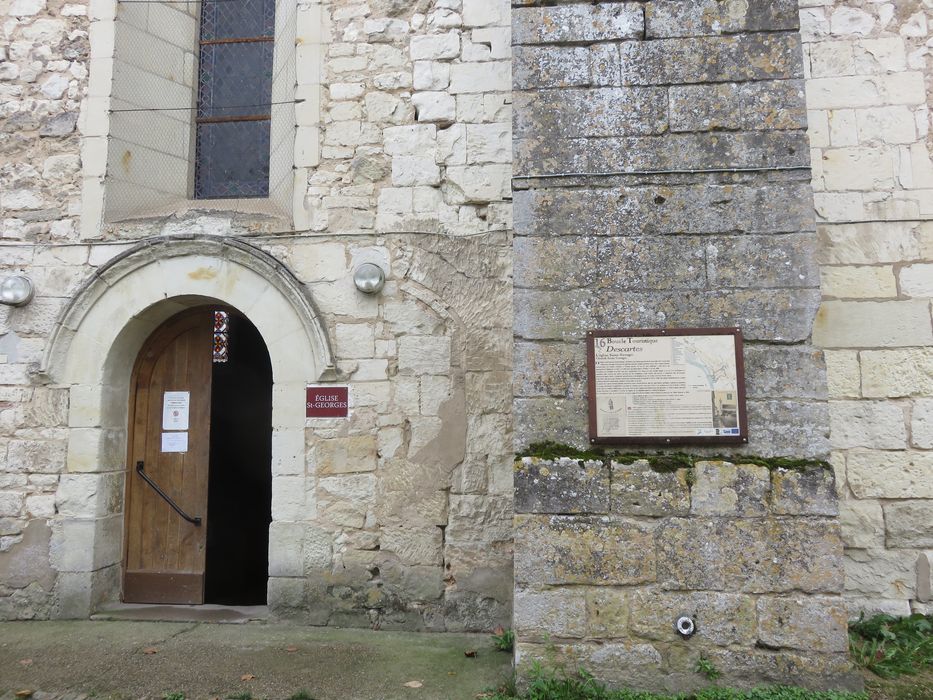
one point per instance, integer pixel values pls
(664, 461)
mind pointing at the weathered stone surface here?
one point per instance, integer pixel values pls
(607, 612)
(895, 373)
(881, 573)
(722, 488)
(711, 59)
(542, 262)
(874, 424)
(771, 422)
(345, 455)
(862, 523)
(637, 489)
(559, 315)
(613, 663)
(809, 624)
(921, 423)
(750, 668)
(760, 555)
(924, 579)
(27, 562)
(643, 263)
(709, 17)
(36, 455)
(909, 524)
(583, 550)
(670, 152)
(876, 474)
(761, 207)
(720, 618)
(58, 124)
(762, 262)
(563, 66)
(542, 419)
(772, 104)
(561, 486)
(810, 491)
(550, 612)
(842, 324)
(864, 244)
(549, 369)
(89, 495)
(639, 111)
(780, 371)
(577, 23)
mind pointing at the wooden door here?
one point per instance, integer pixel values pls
(164, 551)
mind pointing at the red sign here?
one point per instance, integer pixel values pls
(327, 401)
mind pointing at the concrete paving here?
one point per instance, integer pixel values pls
(135, 659)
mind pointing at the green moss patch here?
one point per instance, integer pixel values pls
(664, 461)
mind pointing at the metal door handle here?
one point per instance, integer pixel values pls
(196, 520)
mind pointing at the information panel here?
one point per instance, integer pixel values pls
(666, 386)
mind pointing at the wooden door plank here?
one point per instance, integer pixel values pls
(153, 587)
(163, 551)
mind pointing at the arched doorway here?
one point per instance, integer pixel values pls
(92, 352)
(199, 488)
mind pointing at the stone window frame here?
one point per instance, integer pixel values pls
(302, 33)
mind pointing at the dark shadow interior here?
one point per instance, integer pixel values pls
(240, 485)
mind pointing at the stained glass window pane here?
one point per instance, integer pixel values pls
(221, 336)
(237, 19)
(234, 91)
(234, 78)
(233, 160)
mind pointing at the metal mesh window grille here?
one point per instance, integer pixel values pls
(232, 146)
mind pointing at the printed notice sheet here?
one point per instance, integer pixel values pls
(174, 442)
(175, 410)
(666, 386)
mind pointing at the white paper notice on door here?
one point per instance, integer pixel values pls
(174, 442)
(175, 410)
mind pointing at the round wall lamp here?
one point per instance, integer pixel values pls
(16, 290)
(369, 278)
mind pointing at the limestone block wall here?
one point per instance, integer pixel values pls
(398, 517)
(663, 180)
(610, 553)
(869, 82)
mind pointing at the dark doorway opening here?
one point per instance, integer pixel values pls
(240, 483)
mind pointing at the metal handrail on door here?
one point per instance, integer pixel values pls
(140, 469)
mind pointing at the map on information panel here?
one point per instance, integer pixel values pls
(666, 386)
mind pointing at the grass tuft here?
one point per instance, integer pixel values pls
(892, 646)
(503, 640)
(559, 685)
(301, 695)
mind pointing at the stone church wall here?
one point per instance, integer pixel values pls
(663, 180)
(868, 68)
(610, 554)
(399, 517)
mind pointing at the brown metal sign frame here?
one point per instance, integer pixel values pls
(662, 440)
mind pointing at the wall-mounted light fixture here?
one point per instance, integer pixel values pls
(16, 290)
(369, 278)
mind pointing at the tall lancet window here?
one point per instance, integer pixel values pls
(234, 95)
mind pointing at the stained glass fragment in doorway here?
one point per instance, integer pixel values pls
(221, 336)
